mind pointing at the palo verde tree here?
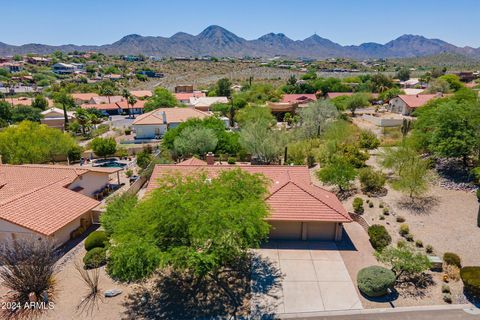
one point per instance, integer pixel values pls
(404, 261)
(315, 117)
(189, 223)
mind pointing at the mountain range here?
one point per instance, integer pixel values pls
(219, 42)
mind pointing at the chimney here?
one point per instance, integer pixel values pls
(164, 117)
(210, 157)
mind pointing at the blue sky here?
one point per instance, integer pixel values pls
(344, 21)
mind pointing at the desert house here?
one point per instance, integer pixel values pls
(406, 104)
(81, 98)
(299, 209)
(154, 124)
(55, 118)
(205, 103)
(49, 201)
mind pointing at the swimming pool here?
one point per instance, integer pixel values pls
(112, 164)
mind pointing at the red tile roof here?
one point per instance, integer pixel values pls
(192, 161)
(299, 98)
(141, 93)
(84, 96)
(418, 100)
(187, 95)
(333, 95)
(292, 196)
(173, 115)
(36, 197)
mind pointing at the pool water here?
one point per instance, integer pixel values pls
(113, 164)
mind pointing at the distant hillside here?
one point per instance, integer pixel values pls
(445, 59)
(219, 42)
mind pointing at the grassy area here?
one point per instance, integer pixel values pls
(391, 136)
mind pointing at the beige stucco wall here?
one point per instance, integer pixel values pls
(90, 182)
(397, 105)
(148, 131)
(10, 231)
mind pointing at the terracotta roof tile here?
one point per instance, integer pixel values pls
(292, 196)
(173, 115)
(36, 197)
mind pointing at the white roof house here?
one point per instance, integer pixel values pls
(204, 103)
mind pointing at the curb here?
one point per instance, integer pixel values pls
(307, 315)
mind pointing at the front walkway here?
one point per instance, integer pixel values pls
(314, 278)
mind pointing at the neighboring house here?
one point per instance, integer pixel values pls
(113, 77)
(24, 101)
(141, 94)
(39, 60)
(405, 104)
(410, 83)
(66, 68)
(184, 88)
(105, 99)
(412, 91)
(299, 98)
(116, 108)
(48, 201)
(299, 210)
(290, 103)
(11, 67)
(154, 124)
(184, 97)
(55, 118)
(204, 103)
(81, 98)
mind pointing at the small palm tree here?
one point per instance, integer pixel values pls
(131, 102)
(126, 95)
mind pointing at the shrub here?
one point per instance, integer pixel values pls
(401, 243)
(371, 180)
(478, 194)
(447, 297)
(375, 281)
(358, 205)
(453, 259)
(95, 258)
(400, 219)
(370, 204)
(409, 237)
(129, 173)
(471, 279)
(381, 205)
(453, 272)
(429, 248)
(231, 160)
(96, 239)
(379, 237)
(368, 140)
(404, 229)
(445, 288)
(419, 244)
(386, 211)
(381, 217)
(128, 131)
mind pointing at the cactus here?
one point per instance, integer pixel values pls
(406, 126)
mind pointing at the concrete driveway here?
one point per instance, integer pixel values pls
(314, 278)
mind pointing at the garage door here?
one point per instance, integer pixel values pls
(321, 231)
(292, 230)
(288, 230)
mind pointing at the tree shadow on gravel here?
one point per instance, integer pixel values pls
(226, 295)
(423, 205)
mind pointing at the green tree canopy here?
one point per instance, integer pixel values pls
(161, 98)
(31, 142)
(195, 141)
(227, 141)
(339, 172)
(315, 117)
(189, 222)
(103, 147)
(254, 113)
(403, 74)
(403, 260)
(40, 102)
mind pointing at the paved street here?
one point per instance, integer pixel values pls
(443, 313)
